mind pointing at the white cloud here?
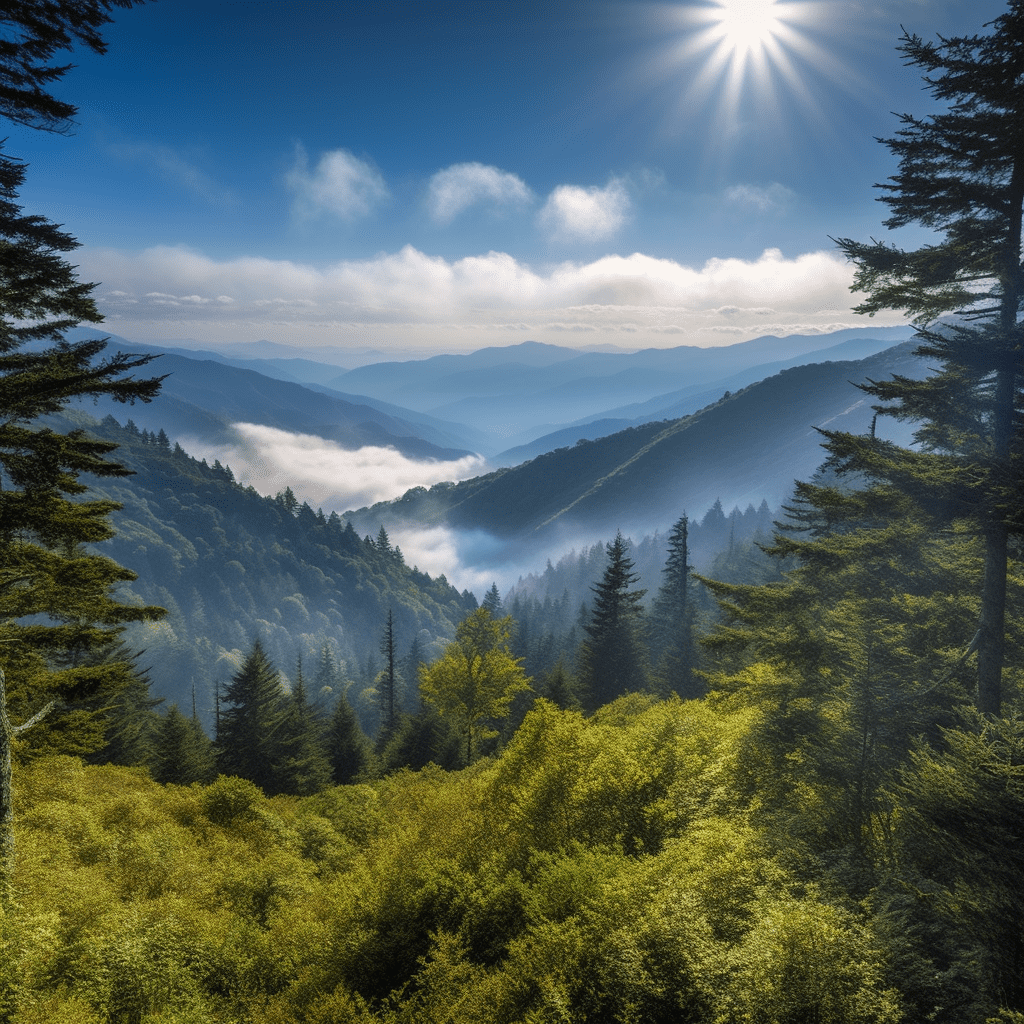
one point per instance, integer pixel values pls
(322, 472)
(414, 300)
(341, 184)
(586, 213)
(763, 198)
(463, 185)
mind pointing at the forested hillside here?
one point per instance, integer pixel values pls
(231, 566)
(744, 448)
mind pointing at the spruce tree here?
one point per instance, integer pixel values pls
(183, 753)
(387, 683)
(252, 709)
(673, 616)
(612, 658)
(348, 749)
(961, 175)
(492, 601)
(301, 764)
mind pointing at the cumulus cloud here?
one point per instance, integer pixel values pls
(460, 186)
(585, 213)
(340, 183)
(322, 472)
(763, 198)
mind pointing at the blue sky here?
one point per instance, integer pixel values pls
(428, 175)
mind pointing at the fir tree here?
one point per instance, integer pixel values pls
(673, 616)
(183, 753)
(612, 657)
(251, 712)
(348, 749)
(961, 175)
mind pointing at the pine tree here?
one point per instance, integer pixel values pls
(961, 175)
(251, 713)
(612, 658)
(387, 683)
(348, 749)
(301, 763)
(673, 616)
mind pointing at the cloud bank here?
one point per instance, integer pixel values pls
(461, 186)
(322, 472)
(340, 184)
(414, 299)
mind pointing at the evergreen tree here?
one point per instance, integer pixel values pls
(492, 601)
(411, 666)
(348, 749)
(326, 679)
(301, 763)
(418, 740)
(673, 616)
(183, 753)
(560, 688)
(33, 33)
(612, 658)
(130, 717)
(961, 175)
(387, 684)
(251, 713)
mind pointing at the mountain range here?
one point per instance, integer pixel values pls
(746, 446)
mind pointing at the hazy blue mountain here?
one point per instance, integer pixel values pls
(678, 403)
(204, 397)
(743, 448)
(521, 392)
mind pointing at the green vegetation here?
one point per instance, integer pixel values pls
(476, 678)
(230, 566)
(830, 832)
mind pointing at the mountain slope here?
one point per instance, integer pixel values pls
(204, 397)
(230, 565)
(744, 448)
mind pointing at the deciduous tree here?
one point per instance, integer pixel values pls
(476, 678)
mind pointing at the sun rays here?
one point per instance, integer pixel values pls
(744, 63)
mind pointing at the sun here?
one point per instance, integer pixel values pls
(745, 26)
(753, 61)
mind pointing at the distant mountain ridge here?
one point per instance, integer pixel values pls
(521, 392)
(746, 447)
(203, 398)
